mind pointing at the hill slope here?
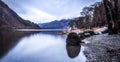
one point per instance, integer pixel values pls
(9, 19)
(62, 24)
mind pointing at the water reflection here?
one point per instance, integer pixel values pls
(9, 39)
(40, 47)
(73, 51)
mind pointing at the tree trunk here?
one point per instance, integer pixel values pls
(111, 10)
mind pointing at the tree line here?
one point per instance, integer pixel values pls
(105, 13)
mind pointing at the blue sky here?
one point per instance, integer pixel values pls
(41, 11)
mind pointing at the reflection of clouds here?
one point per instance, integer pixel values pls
(41, 48)
(58, 8)
(37, 43)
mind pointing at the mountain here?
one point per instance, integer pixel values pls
(10, 20)
(61, 24)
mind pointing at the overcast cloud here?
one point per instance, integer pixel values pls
(41, 11)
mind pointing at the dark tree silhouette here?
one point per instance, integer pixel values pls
(111, 10)
(100, 14)
(92, 16)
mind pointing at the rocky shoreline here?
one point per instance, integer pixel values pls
(102, 48)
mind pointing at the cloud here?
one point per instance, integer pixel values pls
(40, 11)
(36, 15)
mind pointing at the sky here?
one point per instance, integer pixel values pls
(42, 11)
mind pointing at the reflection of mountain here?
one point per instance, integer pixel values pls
(9, 39)
(62, 24)
(9, 19)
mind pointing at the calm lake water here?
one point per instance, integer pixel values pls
(40, 47)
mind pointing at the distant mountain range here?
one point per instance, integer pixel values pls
(10, 20)
(57, 24)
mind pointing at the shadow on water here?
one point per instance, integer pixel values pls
(9, 39)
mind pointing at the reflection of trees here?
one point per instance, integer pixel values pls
(9, 39)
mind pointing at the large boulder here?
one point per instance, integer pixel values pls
(73, 39)
(73, 45)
